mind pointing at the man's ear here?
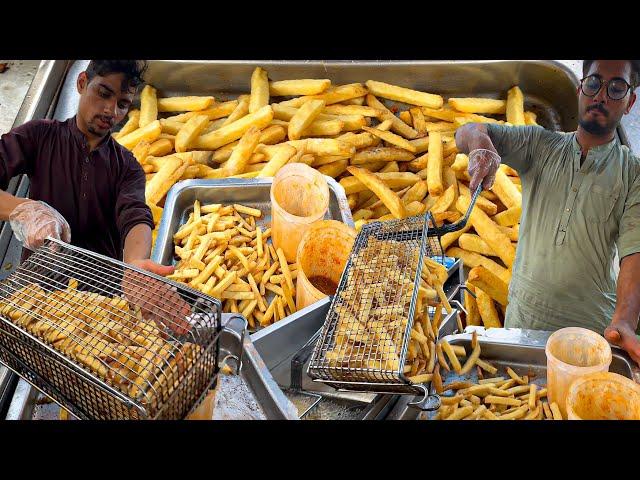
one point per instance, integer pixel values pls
(632, 100)
(82, 82)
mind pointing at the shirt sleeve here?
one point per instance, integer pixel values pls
(18, 151)
(629, 229)
(516, 145)
(131, 208)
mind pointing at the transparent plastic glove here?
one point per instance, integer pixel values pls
(483, 166)
(33, 221)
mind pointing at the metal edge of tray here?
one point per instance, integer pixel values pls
(512, 337)
(165, 235)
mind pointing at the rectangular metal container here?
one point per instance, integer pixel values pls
(522, 350)
(252, 192)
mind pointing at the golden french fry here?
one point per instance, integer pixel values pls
(405, 95)
(184, 104)
(478, 105)
(397, 125)
(515, 106)
(283, 155)
(189, 132)
(171, 170)
(148, 106)
(487, 310)
(149, 133)
(304, 117)
(434, 166)
(285, 88)
(391, 200)
(133, 123)
(530, 118)
(381, 154)
(234, 130)
(392, 138)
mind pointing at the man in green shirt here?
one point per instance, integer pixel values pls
(580, 202)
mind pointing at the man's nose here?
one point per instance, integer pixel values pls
(110, 107)
(601, 97)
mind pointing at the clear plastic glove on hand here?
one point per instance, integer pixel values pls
(483, 166)
(33, 221)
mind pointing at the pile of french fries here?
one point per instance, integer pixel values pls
(103, 334)
(492, 398)
(392, 162)
(373, 306)
(224, 253)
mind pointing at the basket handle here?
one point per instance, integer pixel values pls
(460, 224)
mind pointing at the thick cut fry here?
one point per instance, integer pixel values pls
(509, 217)
(259, 90)
(506, 191)
(304, 117)
(390, 199)
(381, 154)
(416, 193)
(515, 106)
(434, 166)
(324, 146)
(189, 132)
(444, 201)
(397, 125)
(286, 88)
(339, 109)
(334, 169)
(392, 138)
(489, 231)
(478, 105)
(405, 95)
(149, 133)
(489, 283)
(284, 154)
(171, 170)
(482, 203)
(234, 130)
(327, 128)
(241, 154)
(474, 243)
(332, 95)
(133, 123)
(241, 110)
(148, 106)
(473, 259)
(555, 410)
(161, 147)
(487, 309)
(530, 118)
(424, 378)
(184, 104)
(473, 314)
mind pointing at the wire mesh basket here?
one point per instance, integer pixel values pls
(364, 341)
(106, 340)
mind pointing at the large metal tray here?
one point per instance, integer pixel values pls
(250, 192)
(522, 350)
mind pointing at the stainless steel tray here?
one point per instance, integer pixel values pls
(520, 349)
(250, 192)
(549, 86)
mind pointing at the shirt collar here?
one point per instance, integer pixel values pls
(82, 140)
(598, 152)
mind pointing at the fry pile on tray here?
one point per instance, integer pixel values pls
(372, 311)
(224, 253)
(491, 398)
(392, 162)
(104, 335)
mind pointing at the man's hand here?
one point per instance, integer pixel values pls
(483, 166)
(33, 221)
(157, 300)
(622, 335)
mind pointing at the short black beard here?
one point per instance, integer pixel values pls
(594, 128)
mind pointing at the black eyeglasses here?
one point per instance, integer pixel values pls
(617, 88)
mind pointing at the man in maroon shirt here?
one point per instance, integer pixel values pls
(85, 188)
(78, 170)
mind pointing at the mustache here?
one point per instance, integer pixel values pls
(107, 120)
(599, 107)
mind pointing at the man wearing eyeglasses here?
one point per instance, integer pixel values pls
(580, 202)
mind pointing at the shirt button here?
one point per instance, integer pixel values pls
(86, 160)
(574, 189)
(84, 195)
(568, 210)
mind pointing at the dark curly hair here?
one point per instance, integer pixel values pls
(635, 70)
(133, 70)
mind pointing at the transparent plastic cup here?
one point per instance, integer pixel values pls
(322, 256)
(603, 396)
(572, 353)
(299, 198)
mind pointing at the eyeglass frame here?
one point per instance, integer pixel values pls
(630, 87)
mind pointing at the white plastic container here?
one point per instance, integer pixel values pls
(572, 353)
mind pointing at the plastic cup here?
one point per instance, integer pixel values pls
(572, 353)
(603, 396)
(321, 258)
(299, 198)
